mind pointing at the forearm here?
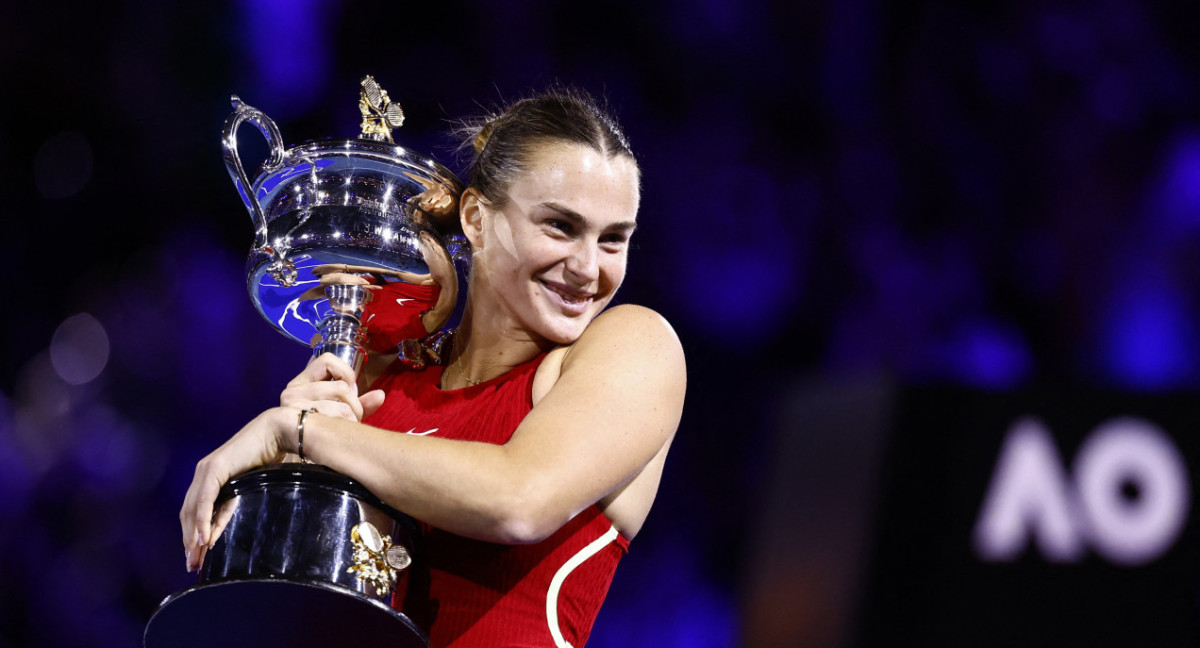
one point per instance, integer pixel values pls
(477, 490)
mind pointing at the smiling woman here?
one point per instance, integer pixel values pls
(562, 232)
(532, 457)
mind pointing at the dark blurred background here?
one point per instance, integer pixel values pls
(934, 265)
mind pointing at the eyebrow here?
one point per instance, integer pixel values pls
(578, 219)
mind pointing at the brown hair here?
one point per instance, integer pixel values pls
(503, 142)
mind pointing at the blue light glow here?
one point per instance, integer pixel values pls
(287, 41)
(1148, 339)
(1178, 197)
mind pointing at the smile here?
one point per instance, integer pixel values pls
(570, 300)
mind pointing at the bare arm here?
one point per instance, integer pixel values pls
(614, 407)
(332, 273)
(616, 403)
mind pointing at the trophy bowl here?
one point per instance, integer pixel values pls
(352, 203)
(355, 249)
(368, 205)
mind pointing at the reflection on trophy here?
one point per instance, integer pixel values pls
(403, 311)
(354, 255)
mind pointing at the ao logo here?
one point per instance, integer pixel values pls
(1127, 498)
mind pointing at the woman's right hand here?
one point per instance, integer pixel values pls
(259, 443)
(329, 385)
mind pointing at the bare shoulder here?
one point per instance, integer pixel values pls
(629, 328)
(627, 343)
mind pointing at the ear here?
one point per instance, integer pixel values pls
(470, 216)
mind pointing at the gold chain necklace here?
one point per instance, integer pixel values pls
(461, 370)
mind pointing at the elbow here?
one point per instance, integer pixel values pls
(525, 517)
(519, 531)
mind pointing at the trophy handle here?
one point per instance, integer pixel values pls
(233, 163)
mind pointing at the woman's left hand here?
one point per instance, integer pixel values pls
(256, 444)
(328, 385)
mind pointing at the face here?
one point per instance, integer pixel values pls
(553, 255)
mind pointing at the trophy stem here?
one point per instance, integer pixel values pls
(342, 332)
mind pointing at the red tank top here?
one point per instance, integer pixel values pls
(466, 593)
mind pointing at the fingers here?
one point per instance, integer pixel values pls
(193, 549)
(337, 369)
(371, 401)
(195, 517)
(314, 391)
(202, 552)
(330, 408)
(327, 383)
(203, 534)
(254, 445)
(331, 398)
(194, 558)
(191, 536)
(325, 367)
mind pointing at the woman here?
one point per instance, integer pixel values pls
(533, 456)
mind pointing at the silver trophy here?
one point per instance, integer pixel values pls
(354, 254)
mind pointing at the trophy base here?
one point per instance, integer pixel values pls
(276, 613)
(285, 571)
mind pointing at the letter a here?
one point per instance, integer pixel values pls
(1029, 495)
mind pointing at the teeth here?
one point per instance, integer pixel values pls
(569, 298)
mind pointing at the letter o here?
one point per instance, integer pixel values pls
(1129, 450)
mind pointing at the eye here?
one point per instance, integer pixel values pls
(614, 241)
(561, 226)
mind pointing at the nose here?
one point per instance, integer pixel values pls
(583, 264)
